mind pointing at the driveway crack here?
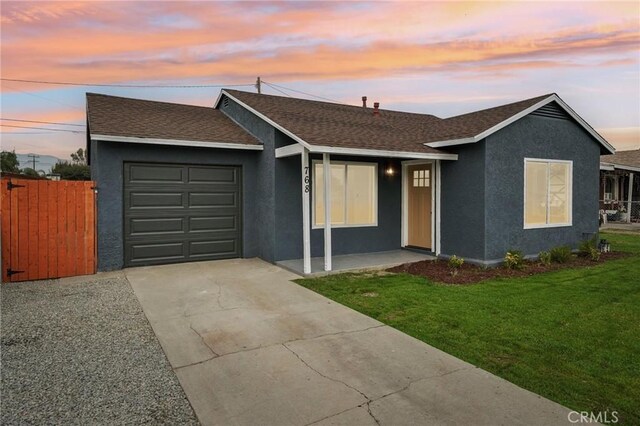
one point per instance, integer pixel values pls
(203, 341)
(333, 379)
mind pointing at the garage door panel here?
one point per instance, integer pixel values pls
(214, 175)
(213, 224)
(212, 199)
(156, 174)
(145, 226)
(164, 251)
(155, 200)
(168, 221)
(213, 248)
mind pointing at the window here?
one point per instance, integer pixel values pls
(421, 178)
(547, 193)
(354, 194)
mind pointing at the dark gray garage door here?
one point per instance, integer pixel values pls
(180, 213)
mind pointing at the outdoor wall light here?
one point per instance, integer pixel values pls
(390, 170)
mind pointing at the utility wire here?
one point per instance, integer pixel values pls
(46, 99)
(180, 86)
(276, 89)
(41, 128)
(304, 93)
(42, 122)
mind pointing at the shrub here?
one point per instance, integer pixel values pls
(455, 263)
(586, 247)
(545, 258)
(560, 254)
(594, 254)
(514, 259)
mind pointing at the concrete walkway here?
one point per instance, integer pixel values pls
(251, 347)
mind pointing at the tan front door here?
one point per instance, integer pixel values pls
(419, 182)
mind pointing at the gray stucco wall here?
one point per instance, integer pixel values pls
(537, 137)
(107, 170)
(462, 209)
(265, 201)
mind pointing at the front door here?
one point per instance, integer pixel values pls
(419, 183)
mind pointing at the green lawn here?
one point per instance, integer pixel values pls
(572, 336)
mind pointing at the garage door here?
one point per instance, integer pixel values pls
(180, 213)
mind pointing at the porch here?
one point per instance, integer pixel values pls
(619, 195)
(365, 201)
(356, 262)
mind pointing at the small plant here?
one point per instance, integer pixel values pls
(514, 259)
(586, 247)
(455, 263)
(561, 254)
(594, 254)
(545, 258)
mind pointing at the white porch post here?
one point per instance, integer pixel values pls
(326, 164)
(306, 220)
(630, 194)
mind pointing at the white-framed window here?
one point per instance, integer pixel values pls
(354, 194)
(548, 188)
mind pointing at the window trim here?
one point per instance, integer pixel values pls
(569, 198)
(375, 194)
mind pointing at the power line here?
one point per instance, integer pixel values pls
(46, 99)
(144, 86)
(42, 122)
(304, 93)
(41, 128)
(275, 88)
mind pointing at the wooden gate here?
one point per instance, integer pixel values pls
(48, 229)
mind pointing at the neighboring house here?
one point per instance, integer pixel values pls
(620, 186)
(247, 178)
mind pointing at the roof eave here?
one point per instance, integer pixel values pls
(515, 117)
(177, 142)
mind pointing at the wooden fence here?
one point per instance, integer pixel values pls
(48, 229)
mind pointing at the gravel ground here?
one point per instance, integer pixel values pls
(82, 352)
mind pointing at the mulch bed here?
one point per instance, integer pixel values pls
(438, 270)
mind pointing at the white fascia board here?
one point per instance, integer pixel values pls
(629, 168)
(289, 150)
(381, 153)
(264, 117)
(606, 166)
(176, 142)
(551, 98)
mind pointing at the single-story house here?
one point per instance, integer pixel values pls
(257, 175)
(620, 186)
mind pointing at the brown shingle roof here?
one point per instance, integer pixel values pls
(344, 126)
(337, 125)
(623, 158)
(474, 123)
(117, 116)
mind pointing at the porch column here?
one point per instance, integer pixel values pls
(326, 164)
(306, 220)
(629, 196)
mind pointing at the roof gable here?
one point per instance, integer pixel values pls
(475, 126)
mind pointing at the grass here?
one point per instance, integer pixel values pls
(571, 335)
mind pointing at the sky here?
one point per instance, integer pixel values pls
(442, 58)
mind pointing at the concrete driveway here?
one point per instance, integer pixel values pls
(251, 347)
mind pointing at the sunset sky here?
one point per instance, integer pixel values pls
(443, 58)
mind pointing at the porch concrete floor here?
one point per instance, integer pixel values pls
(354, 262)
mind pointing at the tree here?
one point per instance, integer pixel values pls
(79, 157)
(9, 162)
(28, 171)
(71, 171)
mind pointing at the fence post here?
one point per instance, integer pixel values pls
(630, 195)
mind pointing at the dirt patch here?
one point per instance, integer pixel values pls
(438, 270)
